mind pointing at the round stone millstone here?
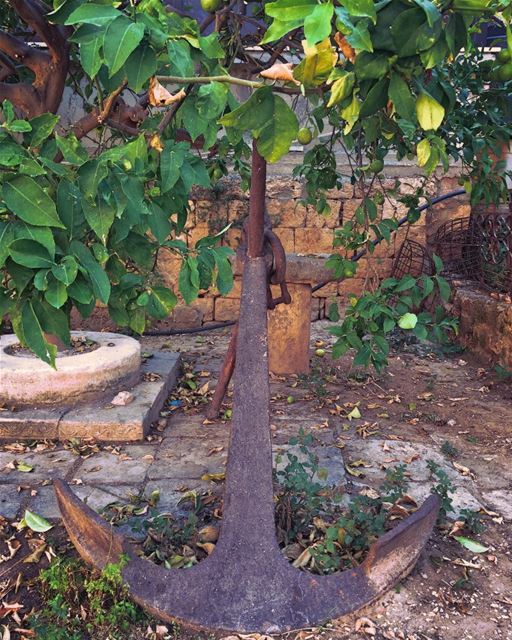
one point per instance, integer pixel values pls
(113, 365)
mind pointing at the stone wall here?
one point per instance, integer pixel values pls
(302, 231)
(485, 323)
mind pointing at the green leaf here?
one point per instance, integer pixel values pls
(211, 46)
(6, 237)
(371, 66)
(431, 11)
(291, 9)
(56, 294)
(376, 99)
(36, 523)
(66, 271)
(139, 67)
(33, 335)
(42, 128)
(351, 114)
(423, 150)
(279, 28)
(361, 9)
(11, 154)
(99, 279)
(90, 175)
(19, 126)
(97, 14)
(224, 279)
(171, 161)
(430, 113)
(401, 96)
(471, 545)
(159, 223)
(30, 254)
(408, 321)
(317, 25)
(181, 63)
(189, 280)
(341, 88)
(100, 215)
(275, 139)
(161, 302)
(90, 55)
(121, 38)
(444, 288)
(25, 198)
(71, 149)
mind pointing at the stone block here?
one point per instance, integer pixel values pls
(289, 333)
(238, 210)
(168, 267)
(312, 241)
(329, 290)
(132, 421)
(199, 231)
(187, 316)
(233, 237)
(205, 307)
(284, 188)
(287, 237)
(287, 213)
(173, 461)
(226, 309)
(39, 423)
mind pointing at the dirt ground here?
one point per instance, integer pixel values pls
(423, 400)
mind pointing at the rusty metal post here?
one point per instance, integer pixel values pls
(228, 366)
(257, 204)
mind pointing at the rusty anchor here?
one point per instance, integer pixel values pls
(246, 584)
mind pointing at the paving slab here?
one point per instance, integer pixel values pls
(193, 459)
(44, 503)
(330, 462)
(172, 491)
(45, 466)
(107, 468)
(10, 500)
(191, 426)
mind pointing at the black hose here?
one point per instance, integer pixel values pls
(177, 332)
(355, 258)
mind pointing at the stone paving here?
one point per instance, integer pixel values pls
(176, 458)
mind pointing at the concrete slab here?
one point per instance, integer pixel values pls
(172, 491)
(199, 457)
(10, 500)
(500, 501)
(45, 466)
(330, 462)
(107, 468)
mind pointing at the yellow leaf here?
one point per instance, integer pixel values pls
(216, 477)
(156, 143)
(430, 113)
(423, 150)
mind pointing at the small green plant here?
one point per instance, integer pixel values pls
(83, 603)
(298, 500)
(394, 305)
(395, 484)
(472, 521)
(443, 489)
(449, 450)
(503, 373)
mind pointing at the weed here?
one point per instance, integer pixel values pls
(449, 450)
(395, 484)
(84, 603)
(472, 521)
(503, 373)
(443, 488)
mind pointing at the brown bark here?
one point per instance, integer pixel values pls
(50, 67)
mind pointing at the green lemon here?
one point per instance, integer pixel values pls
(503, 56)
(505, 72)
(217, 173)
(304, 136)
(376, 165)
(320, 353)
(290, 399)
(211, 6)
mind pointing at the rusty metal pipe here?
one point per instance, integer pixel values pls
(228, 366)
